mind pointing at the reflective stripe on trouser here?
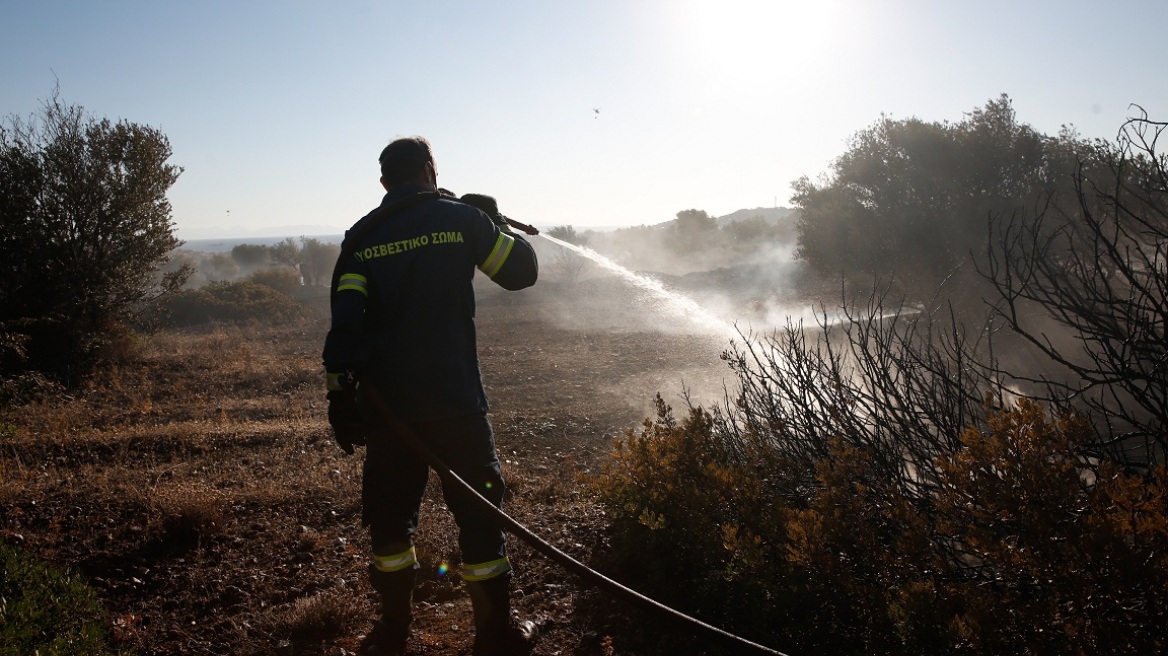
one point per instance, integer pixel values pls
(485, 571)
(407, 559)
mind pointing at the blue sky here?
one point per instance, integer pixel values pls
(277, 110)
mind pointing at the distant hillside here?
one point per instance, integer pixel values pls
(783, 218)
(773, 215)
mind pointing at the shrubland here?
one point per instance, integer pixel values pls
(308, 264)
(228, 302)
(915, 473)
(904, 478)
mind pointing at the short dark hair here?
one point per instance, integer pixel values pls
(403, 160)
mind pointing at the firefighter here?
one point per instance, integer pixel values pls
(403, 326)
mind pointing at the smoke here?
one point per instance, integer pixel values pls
(680, 317)
(638, 284)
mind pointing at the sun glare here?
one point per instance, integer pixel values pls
(759, 40)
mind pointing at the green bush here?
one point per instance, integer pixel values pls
(86, 226)
(47, 611)
(228, 302)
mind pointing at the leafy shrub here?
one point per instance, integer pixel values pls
(661, 479)
(1024, 544)
(47, 611)
(87, 195)
(229, 302)
(862, 552)
(694, 519)
(1060, 553)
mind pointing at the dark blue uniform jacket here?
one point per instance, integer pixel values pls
(404, 306)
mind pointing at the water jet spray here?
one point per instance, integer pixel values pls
(683, 304)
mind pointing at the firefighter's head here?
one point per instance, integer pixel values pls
(408, 161)
(486, 204)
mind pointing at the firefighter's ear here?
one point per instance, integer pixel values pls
(383, 185)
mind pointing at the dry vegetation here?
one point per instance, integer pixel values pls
(197, 488)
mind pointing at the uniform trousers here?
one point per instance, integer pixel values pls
(394, 483)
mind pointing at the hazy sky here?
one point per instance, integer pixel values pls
(277, 109)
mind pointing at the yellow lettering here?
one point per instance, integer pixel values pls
(447, 237)
(395, 247)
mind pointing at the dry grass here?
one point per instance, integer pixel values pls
(324, 616)
(197, 487)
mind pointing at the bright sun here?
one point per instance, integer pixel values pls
(759, 40)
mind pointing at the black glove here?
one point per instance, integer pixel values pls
(488, 206)
(345, 418)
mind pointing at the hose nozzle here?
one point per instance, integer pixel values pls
(531, 230)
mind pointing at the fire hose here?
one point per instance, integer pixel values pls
(724, 638)
(529, 229)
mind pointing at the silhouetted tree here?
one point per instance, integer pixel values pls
(316, 261)
(251, 256)
(912, 198)
(85, 226)
(569, 263)
(285, 252)
(692, 231)
(888, 476)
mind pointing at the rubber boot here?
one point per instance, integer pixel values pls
(390, 633)
(496, 634)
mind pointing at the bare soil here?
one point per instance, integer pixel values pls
(197, 487)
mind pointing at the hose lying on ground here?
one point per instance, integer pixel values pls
(740, 645)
